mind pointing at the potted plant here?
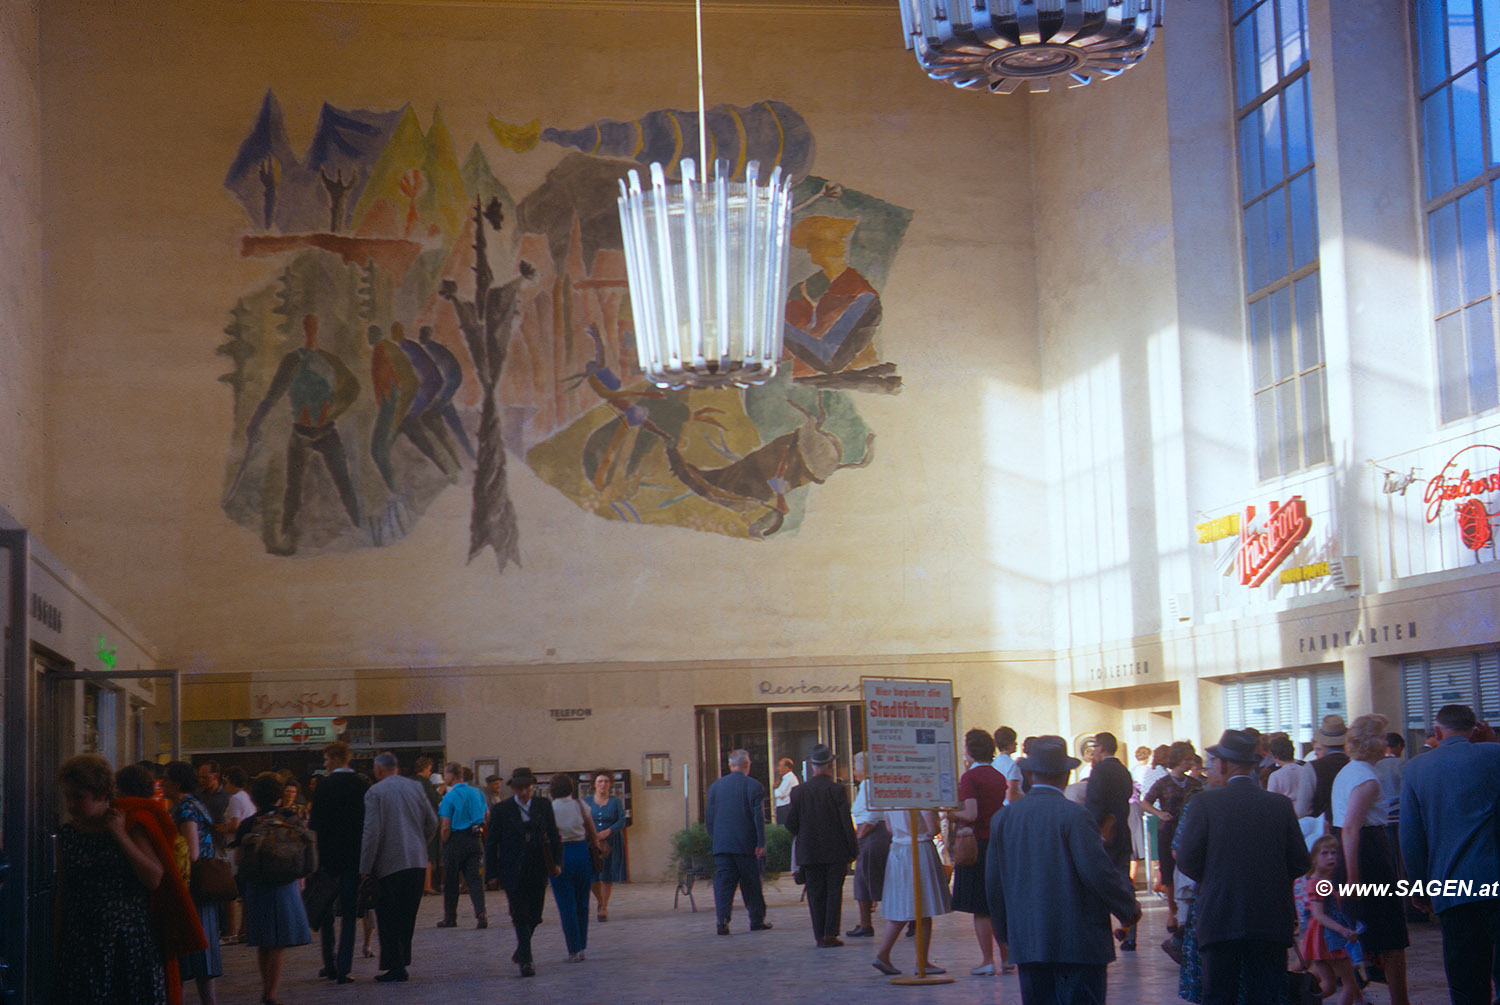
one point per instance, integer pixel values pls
(693, 851)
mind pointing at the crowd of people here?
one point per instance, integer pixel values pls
(159, 865)
(1280, 872)
(1258, 852)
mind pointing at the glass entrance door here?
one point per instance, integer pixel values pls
(771, 732)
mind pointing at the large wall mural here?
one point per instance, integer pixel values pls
(419, 327)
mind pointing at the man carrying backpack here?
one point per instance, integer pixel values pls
(399, 823)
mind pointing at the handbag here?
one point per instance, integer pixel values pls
(211, 880)
(1303, 987)
(964, 849)
(596, 857)
(318, 896)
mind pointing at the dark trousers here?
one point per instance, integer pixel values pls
(825, 896)
(396, 906)
(1061, 983)
(1471, 933)
(525, 901)
(1257, 967)
(343, 909)
(741, 871)
(462, 856)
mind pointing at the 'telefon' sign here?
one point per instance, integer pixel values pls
(910, 743)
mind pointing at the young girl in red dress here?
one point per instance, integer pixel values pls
(1333, 967)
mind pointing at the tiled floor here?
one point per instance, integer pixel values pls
(649, 952)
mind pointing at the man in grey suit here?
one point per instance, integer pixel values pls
(1448, 820)
(736, 820)
(399, 823)
(1244, 847)
(1051, 885)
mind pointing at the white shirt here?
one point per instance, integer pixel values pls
(860, 810)
(1297, 782)
(789, 781)
(240, 807)
(1350, 776)
(1004, 764)
(899, 820)
(569, 816)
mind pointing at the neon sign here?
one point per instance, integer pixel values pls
(1266, 544)
(1456, 483)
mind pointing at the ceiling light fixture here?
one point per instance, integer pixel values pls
(1001, 44)
(707, 265)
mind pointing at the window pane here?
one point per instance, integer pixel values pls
(1474, 253)
(1299, 148)
(1432, 56)
(1453, 381)
(1277, 244)
(1245, 79)
(1491, 13)
(1265, 47)
(1463, 50)
(1309, 322)
(1493, 67)
(1314, 418)
(1241, 6)
(1437, 133)
(1252, 178)
(1257, 253)
(1269, 116)
(1260, 342)
(1304, 220)
(1468, 151)
(1479, 330)
(1282, 357)
(1293, 36)
(1265, 433)
(1442, 236)
(1286, 420)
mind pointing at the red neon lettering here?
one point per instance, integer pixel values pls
(1262, 549)
(1446, 486)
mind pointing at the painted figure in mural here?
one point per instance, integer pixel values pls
(417, 424)
(763, 477)
(395, 384)
(320, 388)
(406, 383)
(338, 191)
(443, 411)
(832, 315)
(631, 414)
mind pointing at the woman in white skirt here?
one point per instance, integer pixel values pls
(896, 902)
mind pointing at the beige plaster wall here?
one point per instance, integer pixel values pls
(935, 548)
(635, 709)
(23, 341)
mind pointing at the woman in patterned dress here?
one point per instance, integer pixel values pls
(180, 785)
(106, 950)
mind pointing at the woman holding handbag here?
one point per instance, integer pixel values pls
(982, 790)
(179, 785)
(609, 822)
(580, 846)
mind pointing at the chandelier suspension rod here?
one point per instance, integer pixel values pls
(702, 110)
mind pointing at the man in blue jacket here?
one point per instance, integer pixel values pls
(1051, 885)
(1448, 819)
(736, 820)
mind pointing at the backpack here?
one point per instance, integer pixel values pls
(278, 849)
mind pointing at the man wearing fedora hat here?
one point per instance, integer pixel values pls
(1328, 744)
(1243, 846)
(1051, 885)
(820, 821)
(522, 850)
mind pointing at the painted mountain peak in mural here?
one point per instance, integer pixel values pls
(418, 328)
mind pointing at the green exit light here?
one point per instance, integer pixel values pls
(106, 654)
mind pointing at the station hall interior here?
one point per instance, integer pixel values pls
(1174, 406)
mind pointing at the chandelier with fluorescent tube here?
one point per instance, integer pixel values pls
(707, 265)
(1000, 45)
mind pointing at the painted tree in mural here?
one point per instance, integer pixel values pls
(346, 429)
(487, 321)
